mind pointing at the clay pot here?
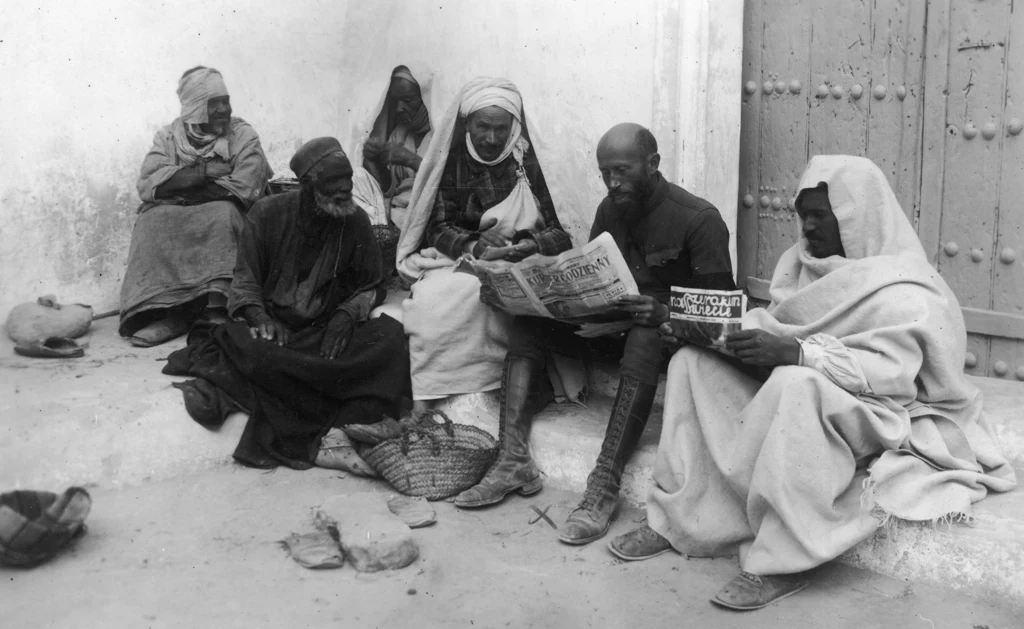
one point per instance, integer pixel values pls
(32, 323)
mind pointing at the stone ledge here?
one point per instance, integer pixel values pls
(986, 559)
(111, 419)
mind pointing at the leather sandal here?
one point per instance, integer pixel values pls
(639, 544)
(747, 591)
(159, 332)
(53, 347)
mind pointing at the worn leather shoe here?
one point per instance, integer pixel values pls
(387, 428)
(748, 591)
(172, 326)
(639, 544)
(503, 479)
(589, 521)
(513, 468)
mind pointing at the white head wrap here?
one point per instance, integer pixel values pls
(509, 99)
(195, 89)
(891, 310)
(476, 94)
(871, 222)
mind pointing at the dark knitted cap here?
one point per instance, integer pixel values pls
(312, 152)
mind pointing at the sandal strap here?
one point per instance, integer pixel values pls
(753, 578)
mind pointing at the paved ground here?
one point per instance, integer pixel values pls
(201, 551)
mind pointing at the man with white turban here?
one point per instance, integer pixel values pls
(843, 403)
(479, 190)
(204, 171)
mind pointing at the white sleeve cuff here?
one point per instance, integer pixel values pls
(827, 355)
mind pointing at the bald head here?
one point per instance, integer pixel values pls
(628, 159)
(628, 138)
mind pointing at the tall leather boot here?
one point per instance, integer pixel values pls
(591, 519)
(513, 469)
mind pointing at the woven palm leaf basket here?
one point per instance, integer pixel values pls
(36, 525)
(433, 460)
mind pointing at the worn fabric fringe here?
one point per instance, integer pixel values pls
(890, 522)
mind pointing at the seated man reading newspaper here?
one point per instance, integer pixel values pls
(861, 414)
(667, 237)
(481, 191)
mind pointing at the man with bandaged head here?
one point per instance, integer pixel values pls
(204, 171)
(307, 359)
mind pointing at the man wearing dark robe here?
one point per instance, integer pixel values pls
(306, 359)
(668, 237)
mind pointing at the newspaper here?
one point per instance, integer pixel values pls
(579, 286)
(710, 315)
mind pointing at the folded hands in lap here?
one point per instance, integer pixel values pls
(216, 170)
(389, 153)
(495, 243)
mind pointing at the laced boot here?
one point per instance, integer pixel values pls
(591, 519)
(513, 469)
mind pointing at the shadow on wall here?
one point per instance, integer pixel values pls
(67, 228)
(96, 80)
(94, 83)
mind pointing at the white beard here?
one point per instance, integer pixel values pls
(332, 209)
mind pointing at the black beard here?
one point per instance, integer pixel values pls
(630, 209)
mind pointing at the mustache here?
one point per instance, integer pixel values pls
(632, 196)
(335, 210)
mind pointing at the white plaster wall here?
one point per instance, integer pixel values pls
(86, 84)
(581, 65)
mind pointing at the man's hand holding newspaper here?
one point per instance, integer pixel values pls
(706, 318)
(590, 286)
